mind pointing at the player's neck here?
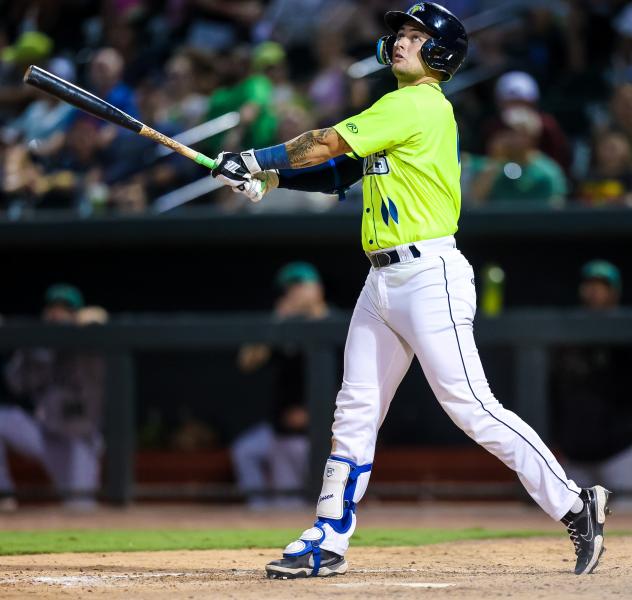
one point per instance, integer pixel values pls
(420, 81)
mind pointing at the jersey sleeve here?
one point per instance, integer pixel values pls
(387, 123)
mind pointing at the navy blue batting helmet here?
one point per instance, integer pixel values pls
(447, 46)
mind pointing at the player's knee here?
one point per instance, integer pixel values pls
(465, 416)
(481, 425)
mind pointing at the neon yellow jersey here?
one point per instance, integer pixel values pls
(411, 189)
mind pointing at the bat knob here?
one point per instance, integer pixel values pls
(27, 74)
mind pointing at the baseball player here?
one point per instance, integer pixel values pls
(419, 297)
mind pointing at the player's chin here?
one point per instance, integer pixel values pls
(403, 73)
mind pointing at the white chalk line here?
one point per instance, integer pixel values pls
(120, 579)
(411, 570)
(87, 580)
(412, 584)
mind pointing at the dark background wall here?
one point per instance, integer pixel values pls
(202, 263)
(209, 263)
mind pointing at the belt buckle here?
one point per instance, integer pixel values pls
(380, 259)
(386, 256)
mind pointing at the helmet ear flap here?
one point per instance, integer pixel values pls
(436, 57)
(384, 50)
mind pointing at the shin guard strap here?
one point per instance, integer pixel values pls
(316, 558)
(309, 541)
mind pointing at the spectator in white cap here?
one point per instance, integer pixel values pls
(519, 90)
(517, 86)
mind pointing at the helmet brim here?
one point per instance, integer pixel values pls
(394, 20)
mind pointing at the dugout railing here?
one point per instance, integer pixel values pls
(530, 333)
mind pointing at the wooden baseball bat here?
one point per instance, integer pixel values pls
(83, 100)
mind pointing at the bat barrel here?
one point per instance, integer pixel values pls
(83, 100)
(79, 98)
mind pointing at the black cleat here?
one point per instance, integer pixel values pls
(295, 567)
(586, 528)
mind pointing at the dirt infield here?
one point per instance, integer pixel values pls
(520, 569)
(516, 569)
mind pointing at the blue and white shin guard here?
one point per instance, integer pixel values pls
(344, 484)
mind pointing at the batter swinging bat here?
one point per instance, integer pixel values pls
(68, 92)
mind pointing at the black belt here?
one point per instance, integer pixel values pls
(383, 259)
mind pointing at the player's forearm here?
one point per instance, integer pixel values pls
(333, 176)
(306, 150)
(315, 147)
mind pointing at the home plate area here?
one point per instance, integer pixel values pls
(519, 568)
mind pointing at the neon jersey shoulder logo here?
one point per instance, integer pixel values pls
(389, 211)
(352, 127)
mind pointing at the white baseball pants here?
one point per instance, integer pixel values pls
(425, 307)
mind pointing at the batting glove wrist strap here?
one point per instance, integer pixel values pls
(249, 160)
(274, 157)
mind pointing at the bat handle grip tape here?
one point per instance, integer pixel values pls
(205, 161)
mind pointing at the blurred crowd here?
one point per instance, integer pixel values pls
(544, 110)
(51, 406)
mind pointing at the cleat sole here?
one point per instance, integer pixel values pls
(280, 573)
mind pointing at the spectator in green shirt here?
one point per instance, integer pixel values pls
(249, 92)
(514, 170)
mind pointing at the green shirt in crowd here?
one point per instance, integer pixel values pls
(255, 88)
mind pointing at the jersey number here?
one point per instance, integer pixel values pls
(376, 164)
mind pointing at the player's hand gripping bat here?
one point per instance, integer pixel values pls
(83, 100)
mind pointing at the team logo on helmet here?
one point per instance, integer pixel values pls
(415, 9)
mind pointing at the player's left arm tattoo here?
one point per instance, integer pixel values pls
(315, 147)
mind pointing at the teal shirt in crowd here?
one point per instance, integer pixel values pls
(540, 180)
